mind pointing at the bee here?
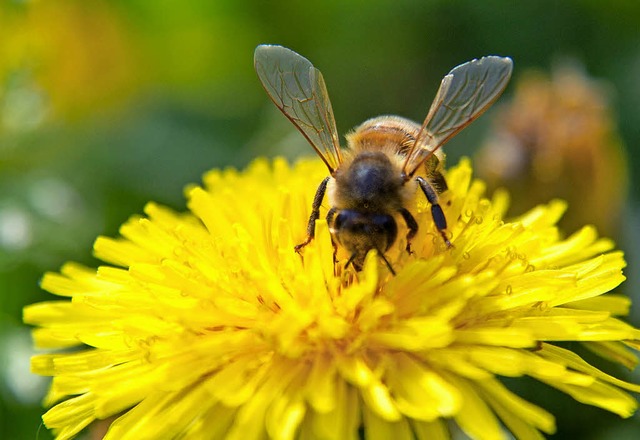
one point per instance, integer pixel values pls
(387, 159)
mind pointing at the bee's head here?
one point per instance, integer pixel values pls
(359, 232)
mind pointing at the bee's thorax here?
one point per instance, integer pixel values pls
(370, 182)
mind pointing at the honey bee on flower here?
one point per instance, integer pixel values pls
(388, 158)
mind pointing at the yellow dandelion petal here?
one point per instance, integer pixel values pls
(378, 399)
(499, 336)
(284, 417)
(436, 430)
(573, 361)
(342, 422)
(613, 304)
(207, 324)
(421, 393)
(613, 351)
(475, 417)
(519, 416)
(321, 387)
(70, 417)
(600, 394)
(380, 428)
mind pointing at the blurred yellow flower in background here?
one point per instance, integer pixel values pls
(82, 58)
(558, 138)
(208, 325)
(75, 54)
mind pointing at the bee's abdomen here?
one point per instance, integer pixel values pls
(391, 133)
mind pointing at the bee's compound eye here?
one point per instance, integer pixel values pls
(385, 224)
(382, 222)
(341, 219)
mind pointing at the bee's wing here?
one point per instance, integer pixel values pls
(297, 88)
(464, 94)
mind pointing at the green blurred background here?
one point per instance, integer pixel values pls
(107, 105)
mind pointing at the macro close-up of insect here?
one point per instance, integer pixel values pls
(387, 158)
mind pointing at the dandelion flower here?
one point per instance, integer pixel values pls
(208, 325)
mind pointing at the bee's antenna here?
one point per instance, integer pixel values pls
(393, 272)
(351, 261)
(353, 256)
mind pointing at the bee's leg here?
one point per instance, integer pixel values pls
(315, 214)
(330, 215)
(412, 225)
(436, 211)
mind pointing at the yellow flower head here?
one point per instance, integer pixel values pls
(208, 325)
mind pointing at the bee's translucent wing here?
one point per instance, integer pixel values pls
(297, 88)
(464, 94)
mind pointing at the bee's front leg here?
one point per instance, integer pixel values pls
(412, 225)
(315, 214)
(330, 215)
(436, 211)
